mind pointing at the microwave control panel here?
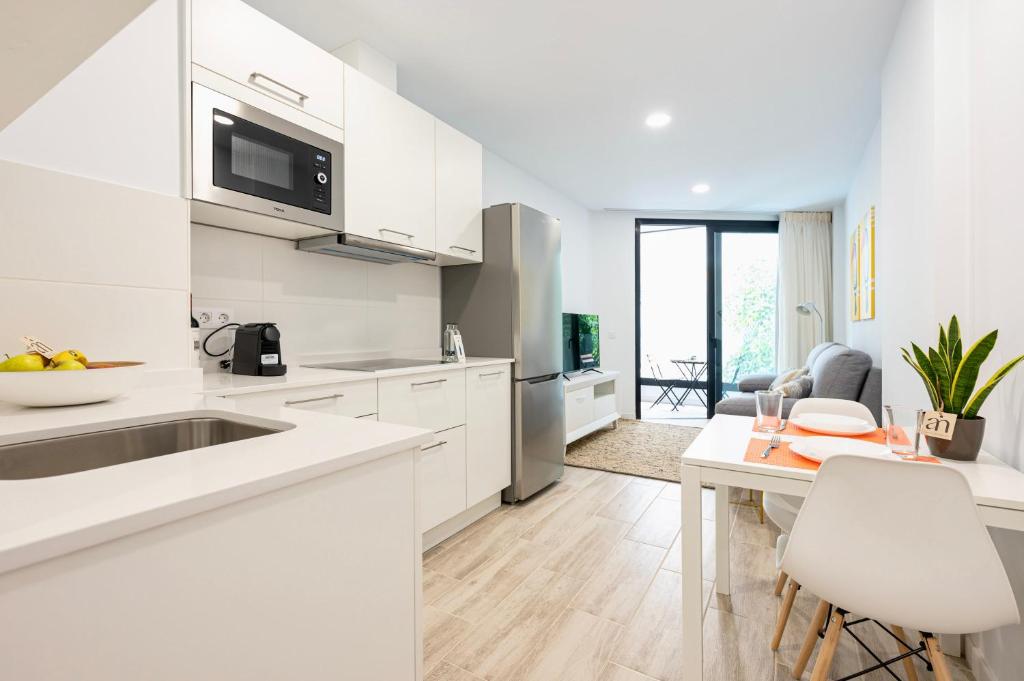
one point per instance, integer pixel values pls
(321, 181)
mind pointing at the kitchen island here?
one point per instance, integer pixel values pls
(292, 555)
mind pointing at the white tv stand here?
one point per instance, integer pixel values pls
(589, 402)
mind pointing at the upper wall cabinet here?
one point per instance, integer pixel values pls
(459, 162)
(231, 38)
(389, 165)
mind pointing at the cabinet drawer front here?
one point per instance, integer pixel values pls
(356, 399)
(436, 401)
(442, 477)
(488, 432)
(579, 408)
(231, 38)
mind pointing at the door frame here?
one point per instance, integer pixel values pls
(714, 231)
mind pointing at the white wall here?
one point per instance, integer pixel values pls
(865, 192)
(506, 183)
(322, 304)
(93, 266)
(996, 242)
(117, 117)
(951, 141)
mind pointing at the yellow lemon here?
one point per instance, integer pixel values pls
(64, 356)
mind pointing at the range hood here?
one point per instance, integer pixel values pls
(345, 245)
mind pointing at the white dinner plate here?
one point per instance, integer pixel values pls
(832, 424)
(821, 448)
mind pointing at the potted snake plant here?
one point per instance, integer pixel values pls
(950, 375)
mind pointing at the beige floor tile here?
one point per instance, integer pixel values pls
(575, 649)
(479, 593)
(650, 482)
(652, 641)
(748, 528)
(736, 648)
(753, 573)
(658, 525)
(672, 490)
(614, 672)
(606, 486)
(630, 503)
(480, 542)
(580, 477)
(441, 632)
(435, 585)
(501, 646)
(588, 548)
(674, 559)
(542, 503)
(449, 672)
(618, 585)
(556, 528)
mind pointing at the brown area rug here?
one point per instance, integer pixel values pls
(651, 450)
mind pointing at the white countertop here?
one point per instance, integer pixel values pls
(222, 384)
(47, 517)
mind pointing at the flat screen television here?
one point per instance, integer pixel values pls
(581, 342)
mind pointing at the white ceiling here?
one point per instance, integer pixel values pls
(772, 100)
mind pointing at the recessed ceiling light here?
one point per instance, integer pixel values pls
(700, 188)
(658, 119)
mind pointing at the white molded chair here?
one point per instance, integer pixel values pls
(783, 508)
(898, 542)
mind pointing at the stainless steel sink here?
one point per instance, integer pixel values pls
(112, 446)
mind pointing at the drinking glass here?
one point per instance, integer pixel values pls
(769, 410)
(903, 430)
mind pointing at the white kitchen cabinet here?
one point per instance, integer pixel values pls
(589, 403)
(357, 399)
(579, 408)
(459, 163)
(231, 38)
(389, 165)
(443, 477)
(488, 431)
(434, 400)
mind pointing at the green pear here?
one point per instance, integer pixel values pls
(70, 365)
(26, 362)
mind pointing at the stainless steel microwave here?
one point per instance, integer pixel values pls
(248, 159)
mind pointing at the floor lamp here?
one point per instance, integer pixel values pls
(806, 309)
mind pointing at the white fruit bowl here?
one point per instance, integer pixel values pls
(67, 388)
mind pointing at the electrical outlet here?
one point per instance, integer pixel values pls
(212, 318)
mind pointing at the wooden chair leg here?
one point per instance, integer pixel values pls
(810, 639)
(787, 607)
(828, 648)
(938, 658)
(908, 662)
(780, 583)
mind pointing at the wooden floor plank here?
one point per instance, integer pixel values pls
(618, 585)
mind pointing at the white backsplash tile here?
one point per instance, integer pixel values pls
(321, 304)
(104, 322)
(294, 276)
(226, 264)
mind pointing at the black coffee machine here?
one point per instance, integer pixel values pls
(258, 350)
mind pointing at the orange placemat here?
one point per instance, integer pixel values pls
(783, 456)
(877, 435)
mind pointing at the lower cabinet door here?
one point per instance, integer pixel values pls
(579, 408)
(443, 477)
(488, 432)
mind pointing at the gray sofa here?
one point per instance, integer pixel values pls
(836, 371)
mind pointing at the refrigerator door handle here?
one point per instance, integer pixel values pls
(539, 379)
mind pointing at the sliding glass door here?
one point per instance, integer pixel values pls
(705, 312)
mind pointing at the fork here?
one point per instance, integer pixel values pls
(775, 442)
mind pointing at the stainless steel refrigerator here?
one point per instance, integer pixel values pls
(511, 306)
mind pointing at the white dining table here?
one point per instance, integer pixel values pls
(716, 458)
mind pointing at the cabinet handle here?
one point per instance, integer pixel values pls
(492, 373)
(395, 231)
(289, 403)
(363, 416)
(434, 446)
(257, 74)
(463, 248)
(438, 380)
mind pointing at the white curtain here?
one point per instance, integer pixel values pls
(805, 276)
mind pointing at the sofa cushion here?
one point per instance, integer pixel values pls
(816, 351)
(743, 405)
(749, 384)
(839, 373)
